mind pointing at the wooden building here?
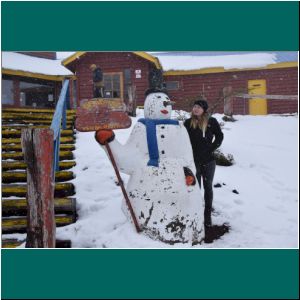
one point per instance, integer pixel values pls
(31, 79)
(126, 80)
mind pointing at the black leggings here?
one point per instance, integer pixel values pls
(207, 172)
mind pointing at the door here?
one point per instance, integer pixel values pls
(257, 106)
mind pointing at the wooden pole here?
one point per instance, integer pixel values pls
(37, 144)
(136, 224)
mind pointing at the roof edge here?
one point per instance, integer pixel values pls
(142, 54)
(35, 75)
(223, 70)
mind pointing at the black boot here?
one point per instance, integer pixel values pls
(215, 232)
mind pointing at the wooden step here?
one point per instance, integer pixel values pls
(14, 126)
(13, 243)
(11, 177)
(33, 122)
(18, 207)
(19, 224)
(63, 140)
(35, 110)
(63, 155)
(19, 190)
(21, 165)
(30, 116)
(16, 133)
(18, 147)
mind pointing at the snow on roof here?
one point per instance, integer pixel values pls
(193, 62)
(22, 62)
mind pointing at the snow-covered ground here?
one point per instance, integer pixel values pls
(263, 215)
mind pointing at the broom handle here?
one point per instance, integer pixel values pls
(137, 227)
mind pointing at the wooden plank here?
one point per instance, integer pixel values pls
(16, 133)
(21, 165)
(37, 147)
(19, 190)
(16, 126)
(29, 116)
(63, 155)
(98, 114)
(36, 110)
(13, 177)
(18, 147)
(63, 140)
(273, 97)
(19, 224)
(31, 121)
(18, 207)
(13, 243)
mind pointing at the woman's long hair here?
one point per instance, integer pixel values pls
(200, 122)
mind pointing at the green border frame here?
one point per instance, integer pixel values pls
(156, 26)
(74, 26)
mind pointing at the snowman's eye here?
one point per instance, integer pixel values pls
(158, 96)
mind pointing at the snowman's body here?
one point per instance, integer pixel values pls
(165, 207)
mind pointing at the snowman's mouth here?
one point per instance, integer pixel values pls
(164, 111)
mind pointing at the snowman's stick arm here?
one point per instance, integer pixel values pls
(137, 227)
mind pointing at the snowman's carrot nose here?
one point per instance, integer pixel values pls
(166, 103)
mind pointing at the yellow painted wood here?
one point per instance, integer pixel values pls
(20, 190)
(20, 223)
(30, 116)
(222, 70)
(35, 110)
(11, 243)
(257, 106)
(10, 177)
(12, 132)
(21, 203)
(33, 122)
(20, 165)
(63, 155)
(17, 141)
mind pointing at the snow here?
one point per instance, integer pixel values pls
(263, 215)
(194, 62)
(21, 62)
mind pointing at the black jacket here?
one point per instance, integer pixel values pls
(203, 147)
(97, 75)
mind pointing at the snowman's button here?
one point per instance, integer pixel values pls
(162, 127)
(162, 136)
(162, 152)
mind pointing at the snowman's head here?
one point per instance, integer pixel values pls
(157, 106)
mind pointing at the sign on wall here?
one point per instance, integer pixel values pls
(138, 73)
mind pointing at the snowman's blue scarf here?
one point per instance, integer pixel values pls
(151, 137)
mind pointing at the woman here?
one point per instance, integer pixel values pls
(206, 136)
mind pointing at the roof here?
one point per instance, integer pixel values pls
(142, 54)
(24, 65)
(189, 61)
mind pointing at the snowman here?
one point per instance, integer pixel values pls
(162, 187)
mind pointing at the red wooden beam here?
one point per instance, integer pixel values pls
(37, 144)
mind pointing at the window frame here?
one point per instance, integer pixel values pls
(121, 85)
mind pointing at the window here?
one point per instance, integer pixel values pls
(172, 85)
(7, 92)
(37, 94)
(113, 85)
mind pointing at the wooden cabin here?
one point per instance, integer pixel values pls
(126, 80)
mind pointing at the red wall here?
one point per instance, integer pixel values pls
(111, 62)
(279, 82)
